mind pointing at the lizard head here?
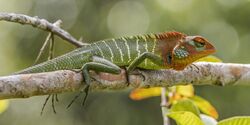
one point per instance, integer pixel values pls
(191, 49)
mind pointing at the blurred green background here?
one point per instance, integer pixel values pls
(224, 22)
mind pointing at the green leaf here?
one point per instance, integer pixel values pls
(239, 120)
(185, 105)
(208, 120)
(185, 118)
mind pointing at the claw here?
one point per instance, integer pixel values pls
(86, 90)
(53, 103)
(127, 77)
(193, 65)
(57, 98)
(73, 100)
(44, 104)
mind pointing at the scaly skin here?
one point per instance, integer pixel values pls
(153, 51)
(173, 49)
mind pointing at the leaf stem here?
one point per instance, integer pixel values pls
(164, 107)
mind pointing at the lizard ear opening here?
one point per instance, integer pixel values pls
(169, 58)
(170, 55)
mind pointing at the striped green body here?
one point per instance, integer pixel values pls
(121, 51)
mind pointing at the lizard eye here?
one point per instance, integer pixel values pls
(199, 44)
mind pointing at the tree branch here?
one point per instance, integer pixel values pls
(41, 24)
(26, 85)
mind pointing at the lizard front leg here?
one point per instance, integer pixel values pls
(137, 61)
(146, 55)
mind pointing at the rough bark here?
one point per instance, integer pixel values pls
(26, 85)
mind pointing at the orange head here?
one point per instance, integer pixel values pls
(189, 50)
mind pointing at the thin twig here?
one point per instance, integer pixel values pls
(41, 24)
(164, 108)
(48, 38)
(51, 47)
(42, 48)
(26, 85)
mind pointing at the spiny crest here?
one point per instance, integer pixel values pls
(162, 36)
(145, 36)
(170, 35)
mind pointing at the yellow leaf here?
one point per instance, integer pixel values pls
(139, 94)
(3, 105)
(205, 106)
(180, 92)
(175, 98)
(185, 90)
(209, 59)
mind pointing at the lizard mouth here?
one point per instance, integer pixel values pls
(206, 53)
(210, 49)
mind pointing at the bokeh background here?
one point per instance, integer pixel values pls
(224, 22)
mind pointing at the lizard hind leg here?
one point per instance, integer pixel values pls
(99, 65)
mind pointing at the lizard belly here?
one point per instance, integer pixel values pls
(147, 64)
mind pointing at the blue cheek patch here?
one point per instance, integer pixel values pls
(181, 53)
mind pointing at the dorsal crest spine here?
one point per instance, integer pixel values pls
(170, 35)
(144, 37)
(161, 36)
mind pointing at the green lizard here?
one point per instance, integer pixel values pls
(153, 51)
